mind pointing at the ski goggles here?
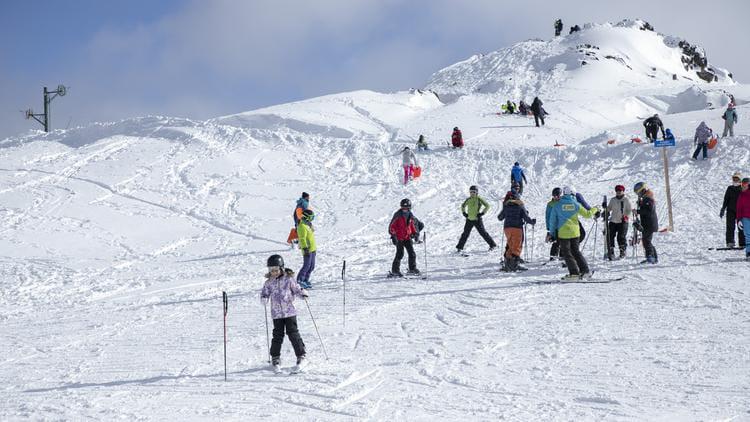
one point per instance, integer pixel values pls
(274, 269)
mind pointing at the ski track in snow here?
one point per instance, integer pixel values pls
(118, 240)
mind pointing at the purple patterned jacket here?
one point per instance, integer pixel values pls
(281, 291)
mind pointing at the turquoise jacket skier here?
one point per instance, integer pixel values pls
(564, 217)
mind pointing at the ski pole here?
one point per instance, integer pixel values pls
(596, 228)
(226, 307)
(316, 328)
(525, 249)
(532, 241)
(268, 341)
(424, 240)
(585, 240)
(343, 280)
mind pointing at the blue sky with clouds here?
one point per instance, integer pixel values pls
(202, 59)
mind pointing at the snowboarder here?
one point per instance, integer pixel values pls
(537, 111)
(730, 118)
(730, 207)
(554, 251)
(473, 208)
(653, 124)
(422, 144)
(517, 176)
(566, 229)
(280, 289)
(515, 215)
(306, 233)
(619, 210)
(457, 139)
(702, 135)
(401, 230)
(647, 222)
(558, 27)
(409, 161)
(743, 214)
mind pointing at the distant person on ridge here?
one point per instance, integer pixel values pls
(409, 161)
(668, 136)
(729, 206)
(401, 230)
(558, 27)
(538, 111)
(422, 144)
(703, 134)
(457, 139)
(523, 108)
(743, 214)
(730, 118)
(647, 222)
(574, 28)
(517, 176)
(652, 125)
(515, 215)
(473, 208)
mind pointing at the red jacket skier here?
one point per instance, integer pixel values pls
(457, 139)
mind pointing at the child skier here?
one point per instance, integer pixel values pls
(306, 233)
(515, 215)
(401, 230)
(409, 161)
(281, 289)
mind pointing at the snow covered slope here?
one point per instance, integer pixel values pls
(118, 239)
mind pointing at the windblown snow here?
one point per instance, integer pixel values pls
(118, 239)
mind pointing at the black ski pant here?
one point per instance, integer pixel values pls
(537, 118)
(400, 246)
(554, 251)
(652, 132)
(701, 146)
(480, 228)
(570, 251)
(731, 225)
(648, 246)
(290, 325)
(619, 231)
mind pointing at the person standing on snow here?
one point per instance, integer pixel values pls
(457, 138)
(515, 215)
(653, 124)
(619, 209)
(473, 208)
(517, 176)
(409, 161)
(401, 230)
(523, 108)
(743, 214)
(566, 229)
(730, 206)
(303, 203)
(730, 118)
(702, 135)
(648, 222)
(558, 27)
(537, 111)
(422, 144)
(280, 289)
(554, 251)
(306, 233)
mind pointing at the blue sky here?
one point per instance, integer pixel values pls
(203, 59)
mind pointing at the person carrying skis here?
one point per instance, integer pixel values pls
(280, 289)
(409, 161)
(619, 210)
(702, 135)
(558, 27)
(653, 124)
(537, 111)
(647, 222)
(306, 233)
(401, 230)
(515, 215)
(743, 214)
(422, 144)
(565, 228)
(730, 206)
(730, 118)
(456, 138)
(518, 176)
(554, 251)
(473, 208)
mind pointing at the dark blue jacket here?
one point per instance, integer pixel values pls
(514, 213)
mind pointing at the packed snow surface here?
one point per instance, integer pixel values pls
(119, 238)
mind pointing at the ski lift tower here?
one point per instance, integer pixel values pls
(48, 97)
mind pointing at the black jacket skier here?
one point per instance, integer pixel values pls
(538, 111)
(652, 125)
(730, 207)
(558, 27)
(648, 222)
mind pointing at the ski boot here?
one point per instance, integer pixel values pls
(396, 274)
(571, 277)
(301, 365)
(413, 272)
(518, 262)
(622, 253)
(276, 364)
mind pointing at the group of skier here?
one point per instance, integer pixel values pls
(524, 109)
(736, 209)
